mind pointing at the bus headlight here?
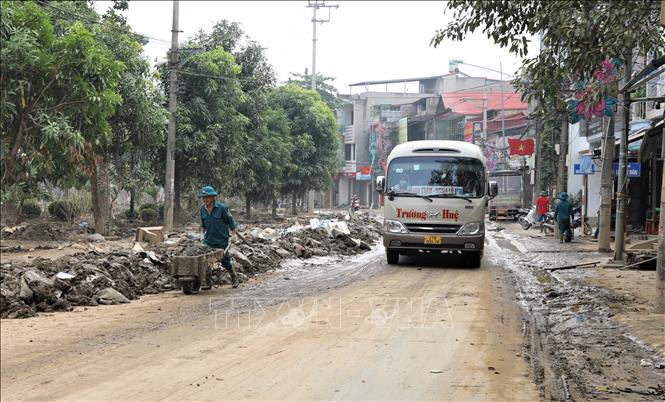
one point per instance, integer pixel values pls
(471, 229)
(394, 226)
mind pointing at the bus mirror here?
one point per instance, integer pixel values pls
(380, 184)
(494, 189)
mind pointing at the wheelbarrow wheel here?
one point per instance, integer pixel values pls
(190, 287)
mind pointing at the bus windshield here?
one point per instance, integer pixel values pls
(437, 176)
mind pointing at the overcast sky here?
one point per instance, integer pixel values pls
(364, 40)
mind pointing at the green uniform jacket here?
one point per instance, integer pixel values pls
(217, 225)
(563, 211)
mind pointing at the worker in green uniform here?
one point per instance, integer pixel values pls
(562, 213)
(218, 226)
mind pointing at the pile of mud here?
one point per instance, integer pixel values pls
(34, 231)
(84, 279)
(89, 279)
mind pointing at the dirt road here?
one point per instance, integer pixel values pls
(346, 331)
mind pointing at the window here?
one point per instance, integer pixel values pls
(352, 117)
(349, 152)
(442, 176)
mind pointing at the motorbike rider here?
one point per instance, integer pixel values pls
(542, 207)
(562, 213)
(218, 226)
(355, 202)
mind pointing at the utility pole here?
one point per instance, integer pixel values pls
(170, 140)
(315, 5)
(562, 174)
(503, 119)
(660, 263)
(622, 186)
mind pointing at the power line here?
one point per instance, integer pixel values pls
(117, 28)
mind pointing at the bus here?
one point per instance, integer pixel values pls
(435, 196)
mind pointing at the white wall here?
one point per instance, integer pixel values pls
(576, 146)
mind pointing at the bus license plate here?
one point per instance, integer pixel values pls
(433, 240)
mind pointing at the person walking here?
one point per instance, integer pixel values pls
(562, 213)
(542, 207)
(218, 226)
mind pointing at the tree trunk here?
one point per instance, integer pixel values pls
(248, 207)
(274, 207)
(132, 201)
(99, 188)
(294, 208)
(562, 173)
(177, 209)
(606, 187)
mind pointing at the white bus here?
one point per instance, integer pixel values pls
(436, 194)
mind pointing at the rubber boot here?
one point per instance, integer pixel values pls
(234, 278)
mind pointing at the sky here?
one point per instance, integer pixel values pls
(364, 40)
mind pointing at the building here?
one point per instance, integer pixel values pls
(373, 122)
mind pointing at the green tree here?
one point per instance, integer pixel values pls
(139, 122)
(58, 91)
(212, 132)
(313, 135)
(577, 36)
(256, 79)
(324, 87)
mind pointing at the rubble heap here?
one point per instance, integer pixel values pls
(83, 279)
(89, 279)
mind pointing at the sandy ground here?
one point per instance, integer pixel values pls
(418, 331)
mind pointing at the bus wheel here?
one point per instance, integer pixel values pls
(474, 259)
(392, 256)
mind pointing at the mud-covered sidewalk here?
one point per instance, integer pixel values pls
(590, 332)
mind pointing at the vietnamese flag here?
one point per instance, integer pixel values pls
(521, 147)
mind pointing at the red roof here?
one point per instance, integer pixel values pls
(511, 120)
(471, 103)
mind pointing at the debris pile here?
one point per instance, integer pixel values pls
(36, 231)
(84, 279)
(89, 279)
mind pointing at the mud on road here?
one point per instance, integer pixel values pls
(577, 350)
(324, 328)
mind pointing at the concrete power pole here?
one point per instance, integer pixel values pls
(315, 5)
(622, 186)
(660, 264)
(170, 141)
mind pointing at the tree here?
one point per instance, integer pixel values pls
(577, 36)
(324, 87)
(313, 135)
(256, 78)
(58, 92)
(211, 129)
(138, 124)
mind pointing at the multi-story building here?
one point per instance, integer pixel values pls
(370, 122)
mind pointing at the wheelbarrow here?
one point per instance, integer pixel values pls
(191, 272)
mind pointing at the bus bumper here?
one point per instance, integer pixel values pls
(416, 242)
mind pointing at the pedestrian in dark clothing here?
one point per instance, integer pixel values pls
(562, 214)
(218, 226)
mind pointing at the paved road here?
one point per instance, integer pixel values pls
(357, 330)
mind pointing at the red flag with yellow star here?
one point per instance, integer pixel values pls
(521, 147)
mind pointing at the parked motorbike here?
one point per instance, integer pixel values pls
(529, 219)
(577, 222)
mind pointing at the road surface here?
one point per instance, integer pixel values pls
(359, 330)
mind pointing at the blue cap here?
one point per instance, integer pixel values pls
(208, 191)
(563, 195)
